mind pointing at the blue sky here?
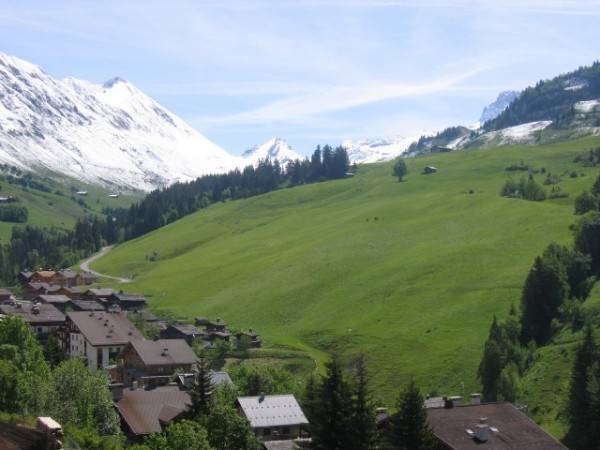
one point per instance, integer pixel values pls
(309, 71)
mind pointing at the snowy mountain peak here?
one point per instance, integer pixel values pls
(110, 134)
(494, 109)
(274, 148)
(378, 149)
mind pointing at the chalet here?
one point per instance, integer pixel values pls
(98, 294)
(86, 305)
(201, 321)
(99, 337)
(440, 149)
(65, 278)
(182, 331)
(6, 296)
(427, 170)
(73, 292)
(147, 411)
(127, 302)
(24, 277)
(32, 289)
(498, 426)
(144, 360)
(61, 302)
(86, 278)
(215, 326)
(44, 319)
(273, 417)
(43, 276)
(248, 338)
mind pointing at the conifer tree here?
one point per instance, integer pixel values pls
(400, 169)
(202, 390)
(363, 411)
(409, 426)
(580, 402)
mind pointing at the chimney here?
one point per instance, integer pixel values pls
(482, 430)
(475, 399)
(165, 351)
(261, 397)
(134, 385)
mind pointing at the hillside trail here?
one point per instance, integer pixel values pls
(85, 265)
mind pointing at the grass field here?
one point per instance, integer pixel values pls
(408, 273)
(62, 211)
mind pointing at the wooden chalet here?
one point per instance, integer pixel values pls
(249, 338)
(126, 301)
(187, 332)
(43, 319)
(61, 302)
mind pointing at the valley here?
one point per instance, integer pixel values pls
(367, 264)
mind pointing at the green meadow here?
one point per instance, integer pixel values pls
(408, 273)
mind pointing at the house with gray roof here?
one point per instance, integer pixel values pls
(274, 417)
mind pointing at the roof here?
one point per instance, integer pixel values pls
(89, 275)
(101, 292)
(125, 297)
(45, 273)
(40, 313)
(67, 274)
(103, 328)
(38, 285)
(53, 298)
(87, 305)
(216, 323)
(164, 352)
(515, 431)
(143, 409)
(187, 379)
(4, 292)
(272, 411)
(434, 402)
(187, 329)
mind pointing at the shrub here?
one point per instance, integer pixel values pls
(11, 213)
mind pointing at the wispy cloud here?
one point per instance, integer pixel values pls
(327, 99)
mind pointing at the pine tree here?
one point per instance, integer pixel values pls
(580, 402)
(400, 169)
(331, 410)
(363, 411)
(490, 369)
(202, 390)
(409, 426)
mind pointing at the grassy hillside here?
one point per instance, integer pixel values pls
(60, 206)
(409, 273)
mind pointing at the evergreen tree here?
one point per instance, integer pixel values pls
(579, 408)
(490, 370)
(587, 239)
(400, 169)
(363, 412)
(202, 390)
(409, 426)
(331, 411)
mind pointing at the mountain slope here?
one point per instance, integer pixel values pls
(408, 273)
(273, 149)
(494, 109)
(111, 134)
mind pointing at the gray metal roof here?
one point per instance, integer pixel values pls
(272, 411)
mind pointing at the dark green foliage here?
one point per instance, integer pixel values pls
(409, 427)
(11, 213)
(400, 169)
(586, 202)
(255, 380)
(587, 239)
(330, 410)
(52, 351)
(579, 408)
(442, 138)
(12, 389)
(590, 158)
(517, 166)
(227, 430)
(363, 411)
(183, 435)
(527, 189)
(490, 368)
(202, 391)
(546, 288)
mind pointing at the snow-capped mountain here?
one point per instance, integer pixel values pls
(111, 134)
(379, 149)
(274, 149)
(494, 109)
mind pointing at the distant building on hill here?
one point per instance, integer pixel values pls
(182, 331)
(427, 170)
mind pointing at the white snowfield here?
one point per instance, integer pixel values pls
(517, 134)
(587, 106)
(365, 151)
(106, 134)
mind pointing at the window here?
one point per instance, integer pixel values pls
(266, 432)
(285, 430)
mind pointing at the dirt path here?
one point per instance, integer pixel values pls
(85, 265)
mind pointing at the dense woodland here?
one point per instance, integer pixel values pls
(557, 284)
(33, 247)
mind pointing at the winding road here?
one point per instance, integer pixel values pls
(85, 265)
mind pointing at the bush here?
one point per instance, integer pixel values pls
(11, 213)
(527, 189)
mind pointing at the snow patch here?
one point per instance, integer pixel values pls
(586, 106)
(365, 151)
(274, 149)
